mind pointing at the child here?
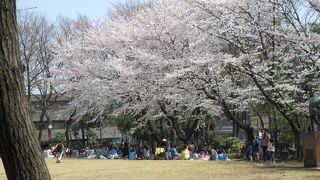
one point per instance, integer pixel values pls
(271, 151)
(256, 151)
(146, 152)
(185, 154)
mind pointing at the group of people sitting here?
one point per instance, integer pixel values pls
(167, 152)
(96, 153)
(142, 152)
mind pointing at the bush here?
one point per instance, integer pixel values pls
(59, 136)
(232, 145)
(219, 140)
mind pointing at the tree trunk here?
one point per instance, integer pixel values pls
(19, 148)
(83, 139)
(275, 134)
(29, 83)
(100, 135)
(68, 126)
(67, 134)
(154, 135)
(49, 129)
(161, 128)
(236, 130)
(174, 123)
(41, 125)
(298, 144)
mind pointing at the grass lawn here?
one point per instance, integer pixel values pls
(79, 169)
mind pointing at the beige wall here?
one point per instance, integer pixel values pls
(108, 132)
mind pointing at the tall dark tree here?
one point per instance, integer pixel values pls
(19, 149)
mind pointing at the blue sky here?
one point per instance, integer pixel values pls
(69, 8)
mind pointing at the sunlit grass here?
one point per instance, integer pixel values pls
(178, 169)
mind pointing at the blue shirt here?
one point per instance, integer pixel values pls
(174, 152)
(112, 152)
(132, 154)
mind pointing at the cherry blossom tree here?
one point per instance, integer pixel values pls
(157, 40)
(315, 4)
(273, 48)
(184, 55)
(108, 60)
(159, 49)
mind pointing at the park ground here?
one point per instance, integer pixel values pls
(81, 169)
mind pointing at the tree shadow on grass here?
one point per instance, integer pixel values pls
(285, 167)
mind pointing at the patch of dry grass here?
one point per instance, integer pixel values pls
(150, 169)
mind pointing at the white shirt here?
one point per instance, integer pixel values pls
(271, 147)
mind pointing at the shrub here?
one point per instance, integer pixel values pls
(59, 136)
(232, 145)
(219, 140)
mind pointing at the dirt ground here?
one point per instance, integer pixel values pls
(79, 169)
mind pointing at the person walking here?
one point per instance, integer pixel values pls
(58, 149)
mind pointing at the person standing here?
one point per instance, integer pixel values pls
(271, 151)
(256, 151)
(264, 143)
(249, 151)
(58, 149)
